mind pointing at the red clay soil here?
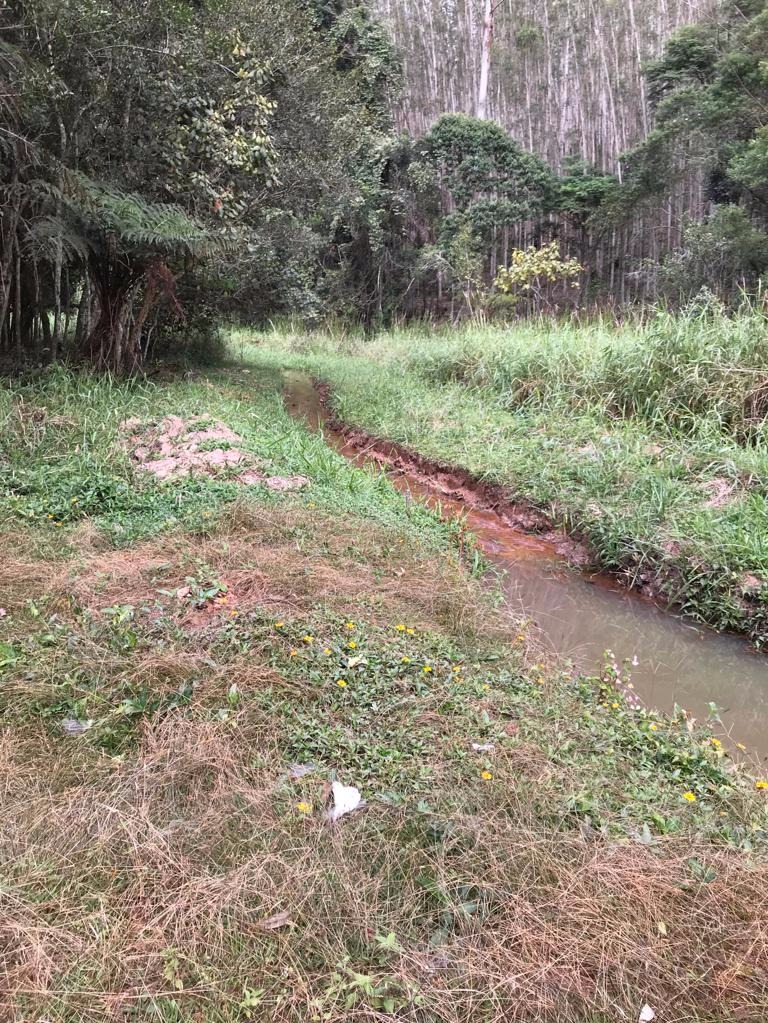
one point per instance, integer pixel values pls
(457, 484)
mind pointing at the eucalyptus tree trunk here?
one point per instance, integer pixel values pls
(567, 74)
(481, 109)
(564, 78)
(9, 221)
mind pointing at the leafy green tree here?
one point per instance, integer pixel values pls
(710, 96)
(156, 100)
(533, 272)
(723, 255)
(127, 243)
(486, 184)
(484, 174)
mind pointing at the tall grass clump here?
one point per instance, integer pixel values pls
(700, 370)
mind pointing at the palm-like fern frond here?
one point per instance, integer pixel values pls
(106, 214)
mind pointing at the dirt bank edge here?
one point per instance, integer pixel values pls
(661, 580)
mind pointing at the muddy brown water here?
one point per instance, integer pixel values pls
(580, 616)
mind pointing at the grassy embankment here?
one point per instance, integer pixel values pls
(649, 441)
(202, 637)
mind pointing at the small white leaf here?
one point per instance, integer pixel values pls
(647, 1015)
(486, 747)
(346, 798)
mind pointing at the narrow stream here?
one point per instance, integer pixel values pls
(580, 616)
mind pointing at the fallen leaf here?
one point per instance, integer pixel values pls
(646, 1014)
(182, 592)
(274, 923)
(354, 661)
(346, 798)
(484, 747)
(3, 612)
(661, 927)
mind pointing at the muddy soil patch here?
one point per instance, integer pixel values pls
(459, 485)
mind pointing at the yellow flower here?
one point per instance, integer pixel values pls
(520, 638)
(279, 625)
(304, 807)
(486, 775)
(716, 743)
(761, 784)
(654, 727)
(486, 687)
(457, 669)
(426, 669)
(350, 625)
(741, 746)
(312, 505)
(615, 705)
(294, 653)
(342, 683)
(307, 639)
(400, 627)
(352, 645)
(410, 632)
(327, 651)
(405, 660)
(689, 796)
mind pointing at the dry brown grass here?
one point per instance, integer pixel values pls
(23, 575)
(286, 562)
(164, 868)
(136, 887)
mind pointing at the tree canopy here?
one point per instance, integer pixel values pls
(139, 137)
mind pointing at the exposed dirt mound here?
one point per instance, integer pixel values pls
(199, 446)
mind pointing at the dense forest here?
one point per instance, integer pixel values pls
(167, 164)
(567, 77)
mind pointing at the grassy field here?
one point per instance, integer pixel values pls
(186, 667)
(649, 441)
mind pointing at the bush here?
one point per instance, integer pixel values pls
(727, 254)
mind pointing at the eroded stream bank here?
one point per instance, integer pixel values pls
(580, 616)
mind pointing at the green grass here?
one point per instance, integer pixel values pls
(625, 436)
(61, 461)
(533, 846)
